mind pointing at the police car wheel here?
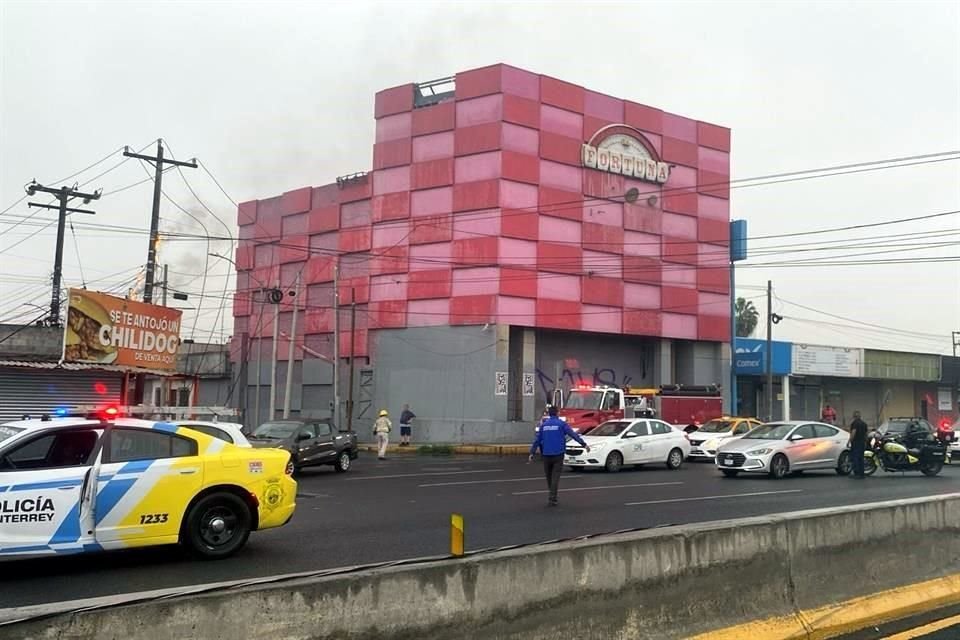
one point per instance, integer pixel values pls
(217, 526)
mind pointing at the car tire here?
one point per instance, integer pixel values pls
(674, 459)
(844, 464)
(217, 526)
(779, 466)
(614, 462)
(730, 473)
(342, 465)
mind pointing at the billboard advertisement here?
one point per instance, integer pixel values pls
(750, 358)
(814, 360)
(104, 329)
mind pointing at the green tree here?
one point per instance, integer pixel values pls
(747, 317)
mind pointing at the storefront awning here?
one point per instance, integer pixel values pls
(74, 366)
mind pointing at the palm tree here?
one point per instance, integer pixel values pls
(747, 317)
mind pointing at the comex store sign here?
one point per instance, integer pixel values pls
(620, 149)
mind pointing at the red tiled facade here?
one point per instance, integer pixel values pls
(475, 204)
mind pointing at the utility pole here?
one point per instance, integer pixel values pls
(769, 353)
(64, 195)
(353, 326)
(259, 365)
(164, 298)
(273, 359)
(292, 340)
(158, 162)
(336, 342)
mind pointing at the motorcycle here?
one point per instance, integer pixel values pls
(890, 454)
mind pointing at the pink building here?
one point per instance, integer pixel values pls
(548, 213)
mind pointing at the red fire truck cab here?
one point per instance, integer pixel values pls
(686, 407)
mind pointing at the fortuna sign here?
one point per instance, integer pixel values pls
(623, 153)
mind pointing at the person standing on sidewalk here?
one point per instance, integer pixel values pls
(406, 422)
(551, 440)
(828, 415)
(858, 443)
(381, 430)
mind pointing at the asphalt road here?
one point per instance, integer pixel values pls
(941, 624)
(400, 508)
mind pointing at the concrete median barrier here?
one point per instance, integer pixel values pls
(671, 582)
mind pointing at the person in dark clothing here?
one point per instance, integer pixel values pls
(551, 440)
(858, 443)
(406, 422)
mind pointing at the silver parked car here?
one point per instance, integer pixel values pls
(779, 448)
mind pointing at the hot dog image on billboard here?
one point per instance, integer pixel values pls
(104, 329)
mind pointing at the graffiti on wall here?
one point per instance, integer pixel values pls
(578, 377)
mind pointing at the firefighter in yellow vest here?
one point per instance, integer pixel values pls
(381, 431)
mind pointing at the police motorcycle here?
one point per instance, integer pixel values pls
(915, 450)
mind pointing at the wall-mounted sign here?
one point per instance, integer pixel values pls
(500, 383)
(751, 357)
(944, 400)
(104, 329)
(815, 360)
(528, 384)
(621, 149)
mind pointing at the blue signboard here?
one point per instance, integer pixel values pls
(738, 240)
(750, 357)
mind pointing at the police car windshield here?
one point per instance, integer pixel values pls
(583, 400)
(769, 432)
(8, 432)
(717, 426)
(276, 430)
(609, 429)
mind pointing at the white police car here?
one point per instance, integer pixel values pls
(79, 484)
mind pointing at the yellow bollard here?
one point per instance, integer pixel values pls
(456, 534)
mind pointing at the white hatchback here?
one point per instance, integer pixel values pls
(617, 443)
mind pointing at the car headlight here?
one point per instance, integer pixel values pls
(598, 447)
(760, 452)
(711, 444)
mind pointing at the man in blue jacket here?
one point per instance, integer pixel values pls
(552, 441)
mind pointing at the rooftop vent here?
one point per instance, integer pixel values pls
(433, 92)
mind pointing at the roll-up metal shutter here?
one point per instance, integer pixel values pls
(39, 391)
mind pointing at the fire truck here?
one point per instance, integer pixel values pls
(684, 406)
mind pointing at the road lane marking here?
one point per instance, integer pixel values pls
(919, 632)
(420, 475)
(599, 487)
(464, 482)
(731, 495)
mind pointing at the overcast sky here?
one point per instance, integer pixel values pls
(272, 96)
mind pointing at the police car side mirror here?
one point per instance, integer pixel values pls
(627, 436)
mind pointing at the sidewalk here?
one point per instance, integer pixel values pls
(454, 449)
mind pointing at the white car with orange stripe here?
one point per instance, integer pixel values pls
(76, 485)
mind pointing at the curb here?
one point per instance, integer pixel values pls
(848, 616)
(458, 449)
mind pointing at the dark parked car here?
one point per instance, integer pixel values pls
(310, 442)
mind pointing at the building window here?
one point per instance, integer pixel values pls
(156, 396)
(183, 400)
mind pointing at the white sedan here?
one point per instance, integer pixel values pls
(779, 448)
(227, 431)
(629, 442)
